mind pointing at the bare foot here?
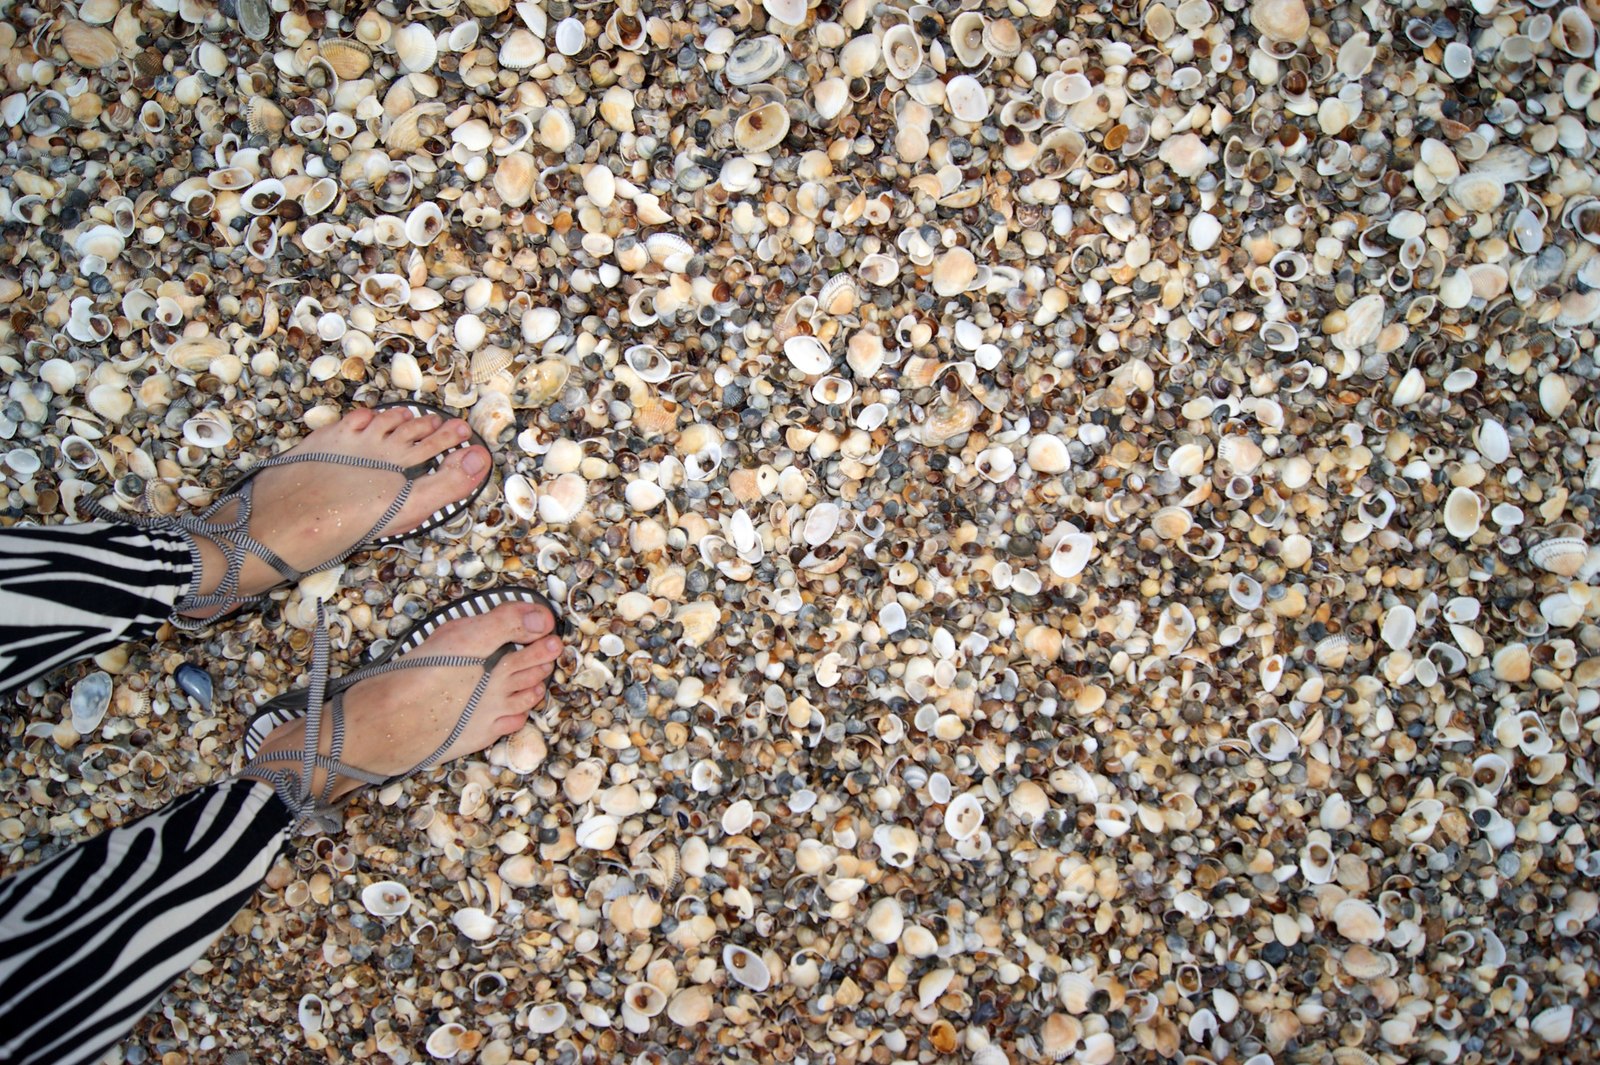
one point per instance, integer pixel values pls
(309, 512)
(395, 720)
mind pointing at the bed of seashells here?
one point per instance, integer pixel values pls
(1077, 516)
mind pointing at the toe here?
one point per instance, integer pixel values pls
(454, 480)
(417, 428)
(388, 420)
(357, 419)
(445, 435)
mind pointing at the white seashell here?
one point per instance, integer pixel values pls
(521, 499)
(444, 1042)
(475, 924)
(1493, 443)
(1554, 1025)
(792, 12)
(644, 496)
(1399, 627)
(1071, 554)
(964, 816)
(965, 98)
(737, 817)
(424, 224)
(1272, 739)
(546, 1018)
(902, 51)
(570, 36)
(808, 354)
(746, 967)
(598, 832)
(1048, 454)
(386, 898)
(1463, 513)
(415, 47)
(208, 429)
(1245, 591)
(562, 500)
(313, 1013)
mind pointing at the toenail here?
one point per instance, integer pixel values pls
(551, 644)
(475, 462)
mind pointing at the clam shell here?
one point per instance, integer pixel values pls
(762, 128)
(746, 967)
(755, 59)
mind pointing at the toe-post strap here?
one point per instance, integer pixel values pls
(233, 538)
(292, 775)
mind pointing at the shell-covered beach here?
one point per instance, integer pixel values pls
(1078, 520)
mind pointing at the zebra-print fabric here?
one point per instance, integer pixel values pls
(68, 592)
(90, 938)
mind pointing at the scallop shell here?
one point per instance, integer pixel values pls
(1562, 555)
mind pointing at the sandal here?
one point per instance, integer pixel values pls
(233, 538)
(324, 697)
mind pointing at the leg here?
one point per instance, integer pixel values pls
(90, 938)
(71, 591)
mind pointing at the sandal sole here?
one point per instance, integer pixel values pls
(291, 705)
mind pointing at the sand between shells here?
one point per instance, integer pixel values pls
(1078, 517)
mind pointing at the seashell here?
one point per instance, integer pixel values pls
(1478, 192)
(475, 924)
(415, 47)
(1561, 555)
(1492, 442)
(1071, 554)
(690, 1006)
(967, 39)
(1463, 513)
(424, 224)
(105, 242)
(1171, 523)
(755, 59)
(556, 130)
(1001, 39)
(792, 12)
(955, 272)
(902, 51)
(1281, 20)
(208, 429)
(762, 128)
(562, 500)
(546, 1018)
(1272, 739)
(598, 832)
(521, 499)
(1244, 591)
(1573, 32)
(1174, 630)
(444, 1042)
(386, 899)
(1358, 921)
(520, 49)
(90, 699)
(746, 968)
(514, 176)
(963, 817)
(966, 99)
(312, 1013)
(570, 36)
(808, 355)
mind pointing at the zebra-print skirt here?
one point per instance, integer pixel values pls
(90, 937)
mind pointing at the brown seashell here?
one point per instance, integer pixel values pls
(91, 47)
(349, 59)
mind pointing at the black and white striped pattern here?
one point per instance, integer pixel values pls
(69, 592)
(90, 938)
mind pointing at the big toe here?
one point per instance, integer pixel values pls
(457, 476)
